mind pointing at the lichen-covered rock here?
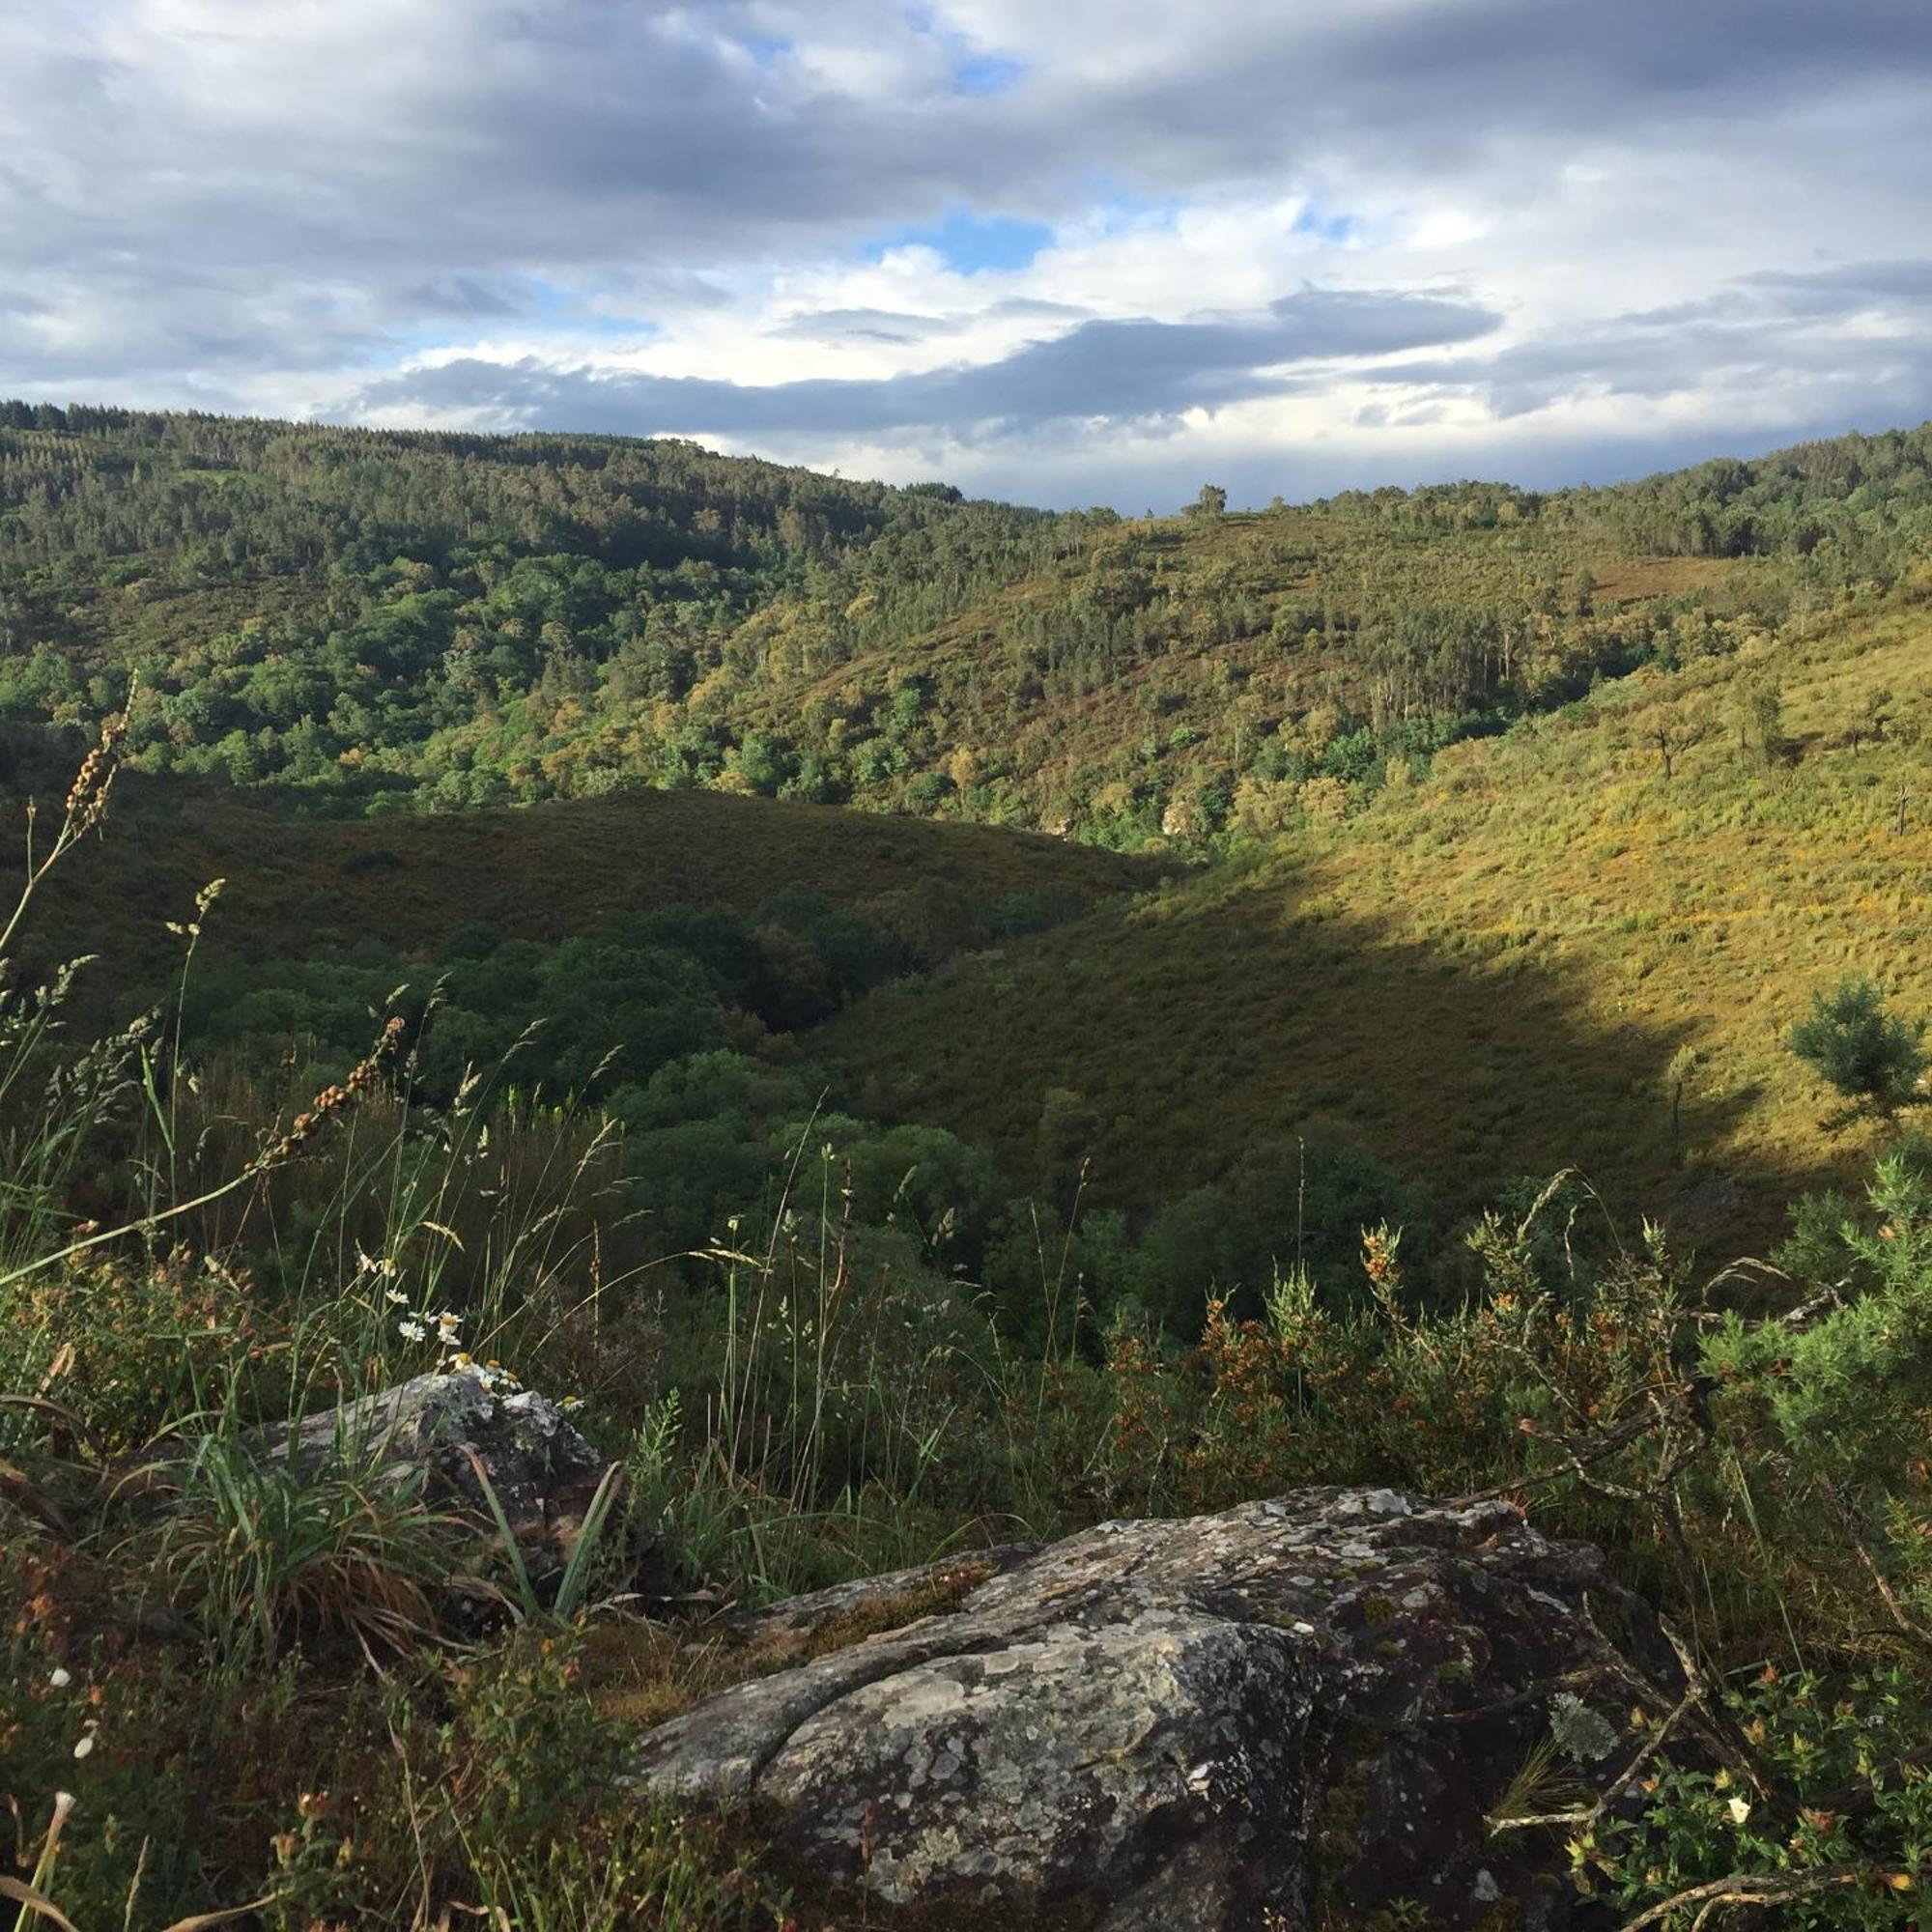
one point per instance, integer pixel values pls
(1282, 1715)
(425, 1430)
(880, 1602)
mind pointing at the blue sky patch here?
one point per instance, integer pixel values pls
(573, 308)
(974, 69)
(969, 242)
(986, 73)
(1334, 229)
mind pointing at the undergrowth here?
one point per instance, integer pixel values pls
(336, 1699)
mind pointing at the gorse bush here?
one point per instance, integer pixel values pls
(1840, 1841)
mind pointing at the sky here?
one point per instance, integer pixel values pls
(1062, 251)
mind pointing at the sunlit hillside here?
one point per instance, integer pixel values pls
(1545, 952)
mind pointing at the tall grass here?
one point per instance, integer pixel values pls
(784, 1407)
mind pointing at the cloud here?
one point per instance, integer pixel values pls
(898, 326)
(1790, 327)
(1854, 286)
(1122, 371)
(1162, 234)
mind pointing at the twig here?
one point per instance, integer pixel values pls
(1746, 1888)
(1577, 1457)
(1586, 1818)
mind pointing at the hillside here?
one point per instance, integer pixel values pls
(441, 622)
(875, 1178)
(1462, 917)
(1544, 952)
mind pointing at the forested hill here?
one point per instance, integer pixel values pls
(432, 621)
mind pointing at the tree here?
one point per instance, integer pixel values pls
(1064, 1141)
(1211, 501)
(1758, 707)
(1873, 715)
(1873, 1058)
(1675, 727)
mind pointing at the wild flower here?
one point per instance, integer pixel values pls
(59, 1678)
(411, 1330)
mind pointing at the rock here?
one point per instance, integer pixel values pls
(538, 1464)
(813, 1618)
(1283, 1715)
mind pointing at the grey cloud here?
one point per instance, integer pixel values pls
(488, 143)
(1395, 86)
(1782, 329)
(1132, 371)
(1023, 305)
(501, 297)
(878, 324)
(594, 132)
(1847, 288)
(514, 147)
(866, 325)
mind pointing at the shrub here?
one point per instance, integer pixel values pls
(1870, 1055)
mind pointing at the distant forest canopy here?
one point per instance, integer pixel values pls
(385, 620)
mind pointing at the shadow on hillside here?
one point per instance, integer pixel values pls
(296, 880)
(1201, 1026)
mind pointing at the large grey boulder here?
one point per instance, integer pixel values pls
(1280, 1715)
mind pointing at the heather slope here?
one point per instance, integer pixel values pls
(296, 884)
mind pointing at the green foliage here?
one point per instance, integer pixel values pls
(259, 1552)
(445, 622)
(1870, 1055)
(1847, 1390)
(1843, 1846)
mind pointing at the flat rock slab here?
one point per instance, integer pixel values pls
(1279, 1715)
